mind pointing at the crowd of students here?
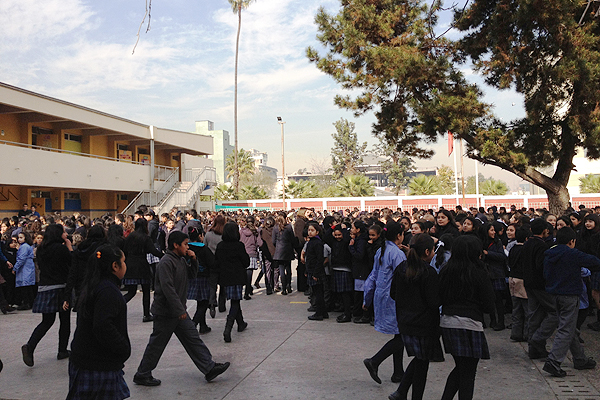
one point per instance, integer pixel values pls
(417, 275)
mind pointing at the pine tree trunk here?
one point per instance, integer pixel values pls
(558, 202)
(236, 174)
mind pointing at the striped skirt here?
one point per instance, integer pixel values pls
(198, 289)
(49, 301)
(423, 347)
(98, 385)
(499, 285)
(234, 292)
(342, 281)
(136, 281)
(465, 343)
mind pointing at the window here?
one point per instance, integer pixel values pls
(38, 194)
(123, 197)
(122, 147)
(74, 138)
(72, 196)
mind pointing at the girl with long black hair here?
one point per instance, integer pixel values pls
(496, 261)
(101, 343)
(54, 260)
(137, 244)
(415, 288)
(377, 293)
(466, 293)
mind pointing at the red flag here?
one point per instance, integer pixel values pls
(450, 143)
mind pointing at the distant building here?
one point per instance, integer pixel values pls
(260, 163)
(222, 147)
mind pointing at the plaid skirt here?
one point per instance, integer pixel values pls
(499, 284)
(198, 289)
(49, 301)
(98, 385)
(136, 281)
(342, 281)
(234, 292)
(465, 343)
(595, 280)
(423, 347)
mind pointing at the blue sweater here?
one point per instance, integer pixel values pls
(562, 269)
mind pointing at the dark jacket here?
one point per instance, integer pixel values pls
(171, 285)
(371, 251)
(284, 243)
(135, 257)
(340, 253)
(267, 248)
(54, 262)
(205, 258)
(515, 261)
(495, 260)
(533, 263)
(480, 301)
(562, 269)
(314, 258)
(101, 342)
(232, 260)
(449, 228)
(417, 301)
(153, 231)
(362, 263)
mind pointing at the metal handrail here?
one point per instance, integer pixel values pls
(151, 198)
(183, 197)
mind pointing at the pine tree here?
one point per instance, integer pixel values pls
(346, 153)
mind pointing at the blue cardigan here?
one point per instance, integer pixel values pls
(24, 267)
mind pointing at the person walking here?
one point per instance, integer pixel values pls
(170, 312)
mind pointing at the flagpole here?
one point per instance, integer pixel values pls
(477, 181)
(455, 174)
(462, 173)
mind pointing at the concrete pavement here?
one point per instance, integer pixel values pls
(282, 355)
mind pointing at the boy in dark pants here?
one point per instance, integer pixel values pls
(170, 314)
(562, 272)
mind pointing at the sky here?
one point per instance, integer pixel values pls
(182, 70)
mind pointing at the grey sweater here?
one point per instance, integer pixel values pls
(171, 285)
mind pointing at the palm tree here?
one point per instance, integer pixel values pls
(355, 186)
(589, 183)
(422, 185)
(301, 189)
(224, 192)
(493, 187)
(249, 192)
(237, 6)
(245, 164)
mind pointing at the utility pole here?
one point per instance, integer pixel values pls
(281, 122)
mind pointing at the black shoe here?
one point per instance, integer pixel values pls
(204, 329)
(315, 317)
(222, 309)
(247, 297)
(213, 310)
(397, 378)
(307, 292)
(588, 364)
(595, 326)
(518, 339)
(311, 309)
(1, 365)
(396, 396)
(499, 327)
(554, 370)
(257, 285)
(149, 381)
(63, 354)
(24, 307)
(242, 326)
(27, 355)
(344, 318)
(361, 320)
(284, 292)
(325, 316)
(289, 289)
(217, 370)
(269, 292)
(148, 318)
(372, 369)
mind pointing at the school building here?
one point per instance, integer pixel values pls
(63, 157)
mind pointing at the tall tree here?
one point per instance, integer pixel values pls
(354, 186)
(346, 153)
(241, 164)
(396, 165)
(237, 6)
(410, 76)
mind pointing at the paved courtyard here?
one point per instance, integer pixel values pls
(282, 355)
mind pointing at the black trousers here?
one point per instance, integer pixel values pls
(132, 291)
(319, 295)
(47, 321)
(300, 271)
(186, 332)
(415, 376)
(285, 273)
(395, 348)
